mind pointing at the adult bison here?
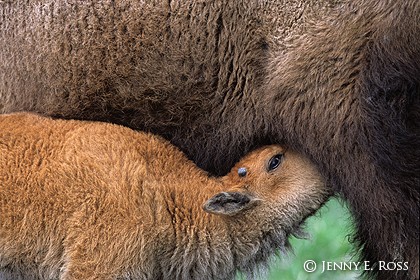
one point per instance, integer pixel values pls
(337, 80)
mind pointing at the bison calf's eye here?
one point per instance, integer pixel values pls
(274, 162)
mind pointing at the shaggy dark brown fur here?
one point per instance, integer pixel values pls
(337, 80)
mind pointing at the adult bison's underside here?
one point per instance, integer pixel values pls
(338, 80)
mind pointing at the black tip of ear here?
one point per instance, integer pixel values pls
(228, 203)
(232, 197)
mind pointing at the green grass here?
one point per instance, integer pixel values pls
(329, 232)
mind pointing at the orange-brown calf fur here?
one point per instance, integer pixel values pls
(89, 200)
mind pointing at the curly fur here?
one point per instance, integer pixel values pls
(91, 200)
(338, 80)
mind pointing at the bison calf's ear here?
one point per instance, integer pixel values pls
(229, 203)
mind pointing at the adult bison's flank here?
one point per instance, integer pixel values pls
(88, 200)
(336, 79)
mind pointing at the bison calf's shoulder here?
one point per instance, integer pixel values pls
(90, 200)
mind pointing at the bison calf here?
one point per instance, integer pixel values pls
(89, 200)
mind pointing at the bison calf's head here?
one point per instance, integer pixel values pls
(279, 187)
